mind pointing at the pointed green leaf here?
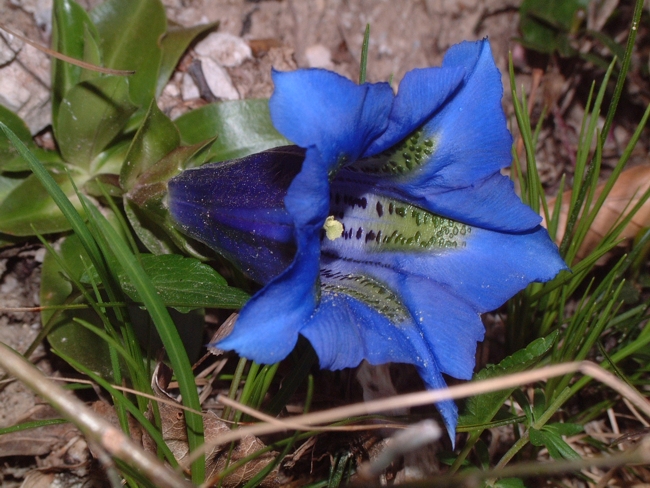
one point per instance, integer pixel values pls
(482, 408)
(564, 428)
(66, 335)
(146, 209)
(9, 158)
(546, 24)
(70, 23)
(173, 44)
(29, 209)
(91, 115)
(242, 127)
(552, 440)
(509, 483)
(150, 233)
(156, 137)
(92, 54)
(184, 283)
(8, 183)
(129, 33)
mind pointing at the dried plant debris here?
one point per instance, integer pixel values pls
(628, 190)
(174, 433)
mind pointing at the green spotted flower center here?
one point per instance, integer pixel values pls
(366, 290)
(379, 223)
(400, 159)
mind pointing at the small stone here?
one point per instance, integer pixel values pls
(318, 56)
(189, 90)
(171, 90)
(218, 80)
(9, 48)
(225, 49)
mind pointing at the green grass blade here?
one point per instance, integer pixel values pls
(32, 425)
(167, 331)
(625, 66)
(364, 55)
(127, 405)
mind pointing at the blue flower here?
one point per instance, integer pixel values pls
(388, 230)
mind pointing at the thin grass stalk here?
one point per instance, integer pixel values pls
(78, 226)
(121, 399)
(364, 55)
(94, 427)
(625, 66)
(167, 332)
(234, 385)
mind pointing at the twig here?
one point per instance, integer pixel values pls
(67, 59)
(423, 398)
(94, 427)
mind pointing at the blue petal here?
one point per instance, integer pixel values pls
(450, 325)
(335, 120)
(344, 331)
(237, 208)
(268, 326)
(318, 108)
(490, 203)
(485, 268)
(421, 93)
(439, 330)
(474, 141)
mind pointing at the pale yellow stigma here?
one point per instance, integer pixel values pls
(333, 228)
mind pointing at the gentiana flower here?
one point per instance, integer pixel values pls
(386, 232)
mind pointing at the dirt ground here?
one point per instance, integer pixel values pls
(284, 34)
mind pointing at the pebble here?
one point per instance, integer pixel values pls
(319, 56)
(189, 90)
(218, 80)
(227, 50)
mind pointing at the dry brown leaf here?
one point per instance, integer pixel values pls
(625, 194)
(224, 330)
(174, 432)
(38, 479)
(40, 441)
(261, 46)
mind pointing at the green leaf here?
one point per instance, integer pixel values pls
(29, 209)
(70, 26)
(156, 137)
(242, 127)
(7, 184)
(509, 483)
(129, 33)
(539, 403)
(91, 115)
(110, 161)
(66, 335)
(9, 158)
(173, 44)
(564, 428)
(552, 440)
(149, 231)
(146, 209)
(545, 24)
(166, 329)
(481, 409)
(184, 283)
(91, 54)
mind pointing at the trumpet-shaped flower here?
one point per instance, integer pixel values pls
(386, 232)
